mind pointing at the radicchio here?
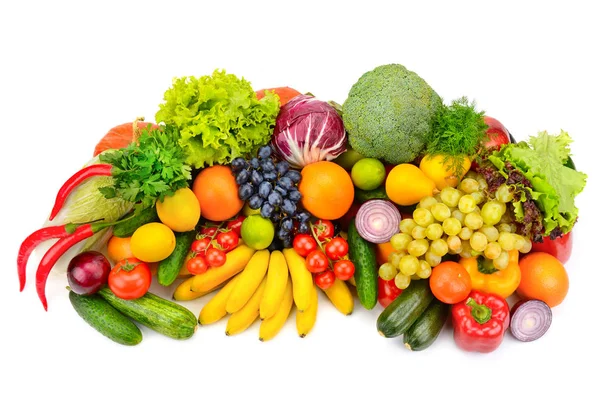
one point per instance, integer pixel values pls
(308, 130)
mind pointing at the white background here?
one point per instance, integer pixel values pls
(69, 72)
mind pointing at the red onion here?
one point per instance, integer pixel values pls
(530, 320)
(377, 221)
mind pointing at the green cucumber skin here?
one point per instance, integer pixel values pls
(168, 269)
(158, 314)
(106, 319)
(361, 196)
(402, 313)
(127, 227)
(362, 254)
(427, 327)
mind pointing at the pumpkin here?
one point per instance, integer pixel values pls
(119, 136)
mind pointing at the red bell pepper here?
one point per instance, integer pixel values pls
(480, 322)
(559, 247)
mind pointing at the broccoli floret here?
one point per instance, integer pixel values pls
(389, 114)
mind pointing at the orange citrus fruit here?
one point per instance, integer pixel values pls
(327, 190)
(217, 192)
(543, 278)
(118, 248)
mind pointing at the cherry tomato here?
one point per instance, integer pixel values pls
(130, 279)
(236, 224)
(215, 257)
(325, 279)
(343, 269)
(304, 244)
(316, 261)
(387, 291)
(323, 229)
(197, 265)
(228, 240)
(336, 248)
(210, 231)
(200, 246)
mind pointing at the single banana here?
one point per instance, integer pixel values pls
(277, 278)
(306, 320)
(352, 281)
(341, 297)
(237, 259)
(250, 279)
(184, 292)
(270, 327)
(214, 310)
(301, 279)
(242, 319)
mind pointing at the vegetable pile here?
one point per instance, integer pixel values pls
(266, 197)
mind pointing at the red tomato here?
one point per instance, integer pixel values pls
(210, 231)
(200, 246)
(236, 224)
(343, 269)
(387, 291)
(228, 240)
(325, 279)
(316, 261)
(304, 244)
(197, 265)
(323, 229)
(130, 279)
(215, 257)
(336, 248)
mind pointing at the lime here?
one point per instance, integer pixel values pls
(257, 232)
(348, 158)
(247, 211)
(368, 173)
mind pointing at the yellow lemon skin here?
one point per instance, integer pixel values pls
(152, 242)
(180, 212)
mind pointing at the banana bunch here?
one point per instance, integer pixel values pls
(262, 285)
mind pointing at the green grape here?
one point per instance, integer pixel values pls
(418, 232)
(439, 247)
(418, 247)
(492, 211)
(465, 233)
(478, 196)
(451, 226)
(433, 259)
(407, 225)
(437, 197)
(501, 262)
(519, 241)
(466, 251)
(415, 277)
(506, 240)
(478, 241)
(467, 204)
(504, 227)
(409, 265)
(459, 216)
(492, 251)
(434, 231)
(402, 281)
(491, 232)
(527, 247)
(424, 270)
(387, 271)
(454, 244)
(422, 216)
(395, 257)
(440, 211)
(471, 174)
(473, 221)
(450, 196)
(504, 194)
(426, 202)
(469, 185)
(483, 185)
(400, 240)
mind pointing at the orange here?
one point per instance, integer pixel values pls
(383, 251)
(327, 190)
(217, 192)
(118, 248)
(450, 282)
(543, 278)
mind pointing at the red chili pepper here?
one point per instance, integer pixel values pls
(75, 180)
(37, 237)
(480, 322)
(559, 247)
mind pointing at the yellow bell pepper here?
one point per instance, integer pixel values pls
(486, 278)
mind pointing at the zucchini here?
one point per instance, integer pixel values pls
(106, 319)
(168, 269)
(427, 327)
(362, 254)
(129, 224)
(402, 313)
(158, 314)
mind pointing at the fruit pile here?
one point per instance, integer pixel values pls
(261, 199)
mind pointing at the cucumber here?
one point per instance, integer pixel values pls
(427, 327)
(106, 319)
(158, 314)
(401, 313)
(127, 226)
(362, 254)
(168, 269)
(361, 196)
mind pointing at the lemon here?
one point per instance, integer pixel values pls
(257, 232)
(152, 242)
(181, 211)
(368, 173)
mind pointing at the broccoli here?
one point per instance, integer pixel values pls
(389, 114)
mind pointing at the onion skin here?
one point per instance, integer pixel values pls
(378, 211)
(530, 308)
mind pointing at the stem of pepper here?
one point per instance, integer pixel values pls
(481, 313)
